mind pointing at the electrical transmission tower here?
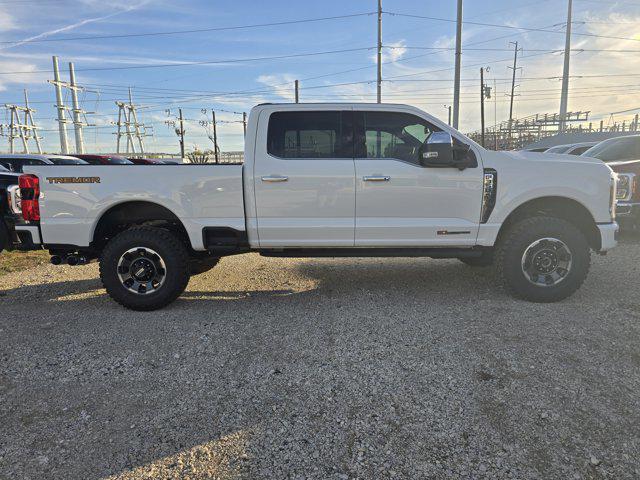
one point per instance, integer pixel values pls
(76, 112)
(25, 129)
(129, 127)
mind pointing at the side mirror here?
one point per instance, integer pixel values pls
(437, 150)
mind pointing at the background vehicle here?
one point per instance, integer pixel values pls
(151, 161)
(622, 154)
(572, 149)
(16, 162)
(331, 180)
(8, 211)
(66, 160)
(103, 159)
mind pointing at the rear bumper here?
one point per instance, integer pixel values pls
(608, 235)
(28, 237)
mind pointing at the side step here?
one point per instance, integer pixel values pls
(373, 252)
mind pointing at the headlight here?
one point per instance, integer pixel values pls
(624, 187)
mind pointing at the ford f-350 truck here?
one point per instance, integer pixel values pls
(330, 180)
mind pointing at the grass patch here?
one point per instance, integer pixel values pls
(16, 261)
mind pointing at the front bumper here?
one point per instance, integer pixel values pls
(608, 235)
(628, 215)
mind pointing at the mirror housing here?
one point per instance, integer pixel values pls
(438, 151)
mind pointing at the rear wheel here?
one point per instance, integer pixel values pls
(144, 268)
(543, 259)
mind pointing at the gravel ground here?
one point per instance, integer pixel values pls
(327, 369)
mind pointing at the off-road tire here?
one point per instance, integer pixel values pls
(171, 250)
(200, 266)
(513, 245)
(484, 260)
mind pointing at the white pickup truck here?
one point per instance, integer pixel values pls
(329, 180)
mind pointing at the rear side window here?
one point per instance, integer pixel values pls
(308, 134)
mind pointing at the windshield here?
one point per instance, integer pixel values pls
(616, 149)
(68, 161)
(119, 161)
(559, 149)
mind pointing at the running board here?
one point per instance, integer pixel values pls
(373, 252)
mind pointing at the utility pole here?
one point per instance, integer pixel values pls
(456, 81)
(297, 95)
(136, 125)
(180, 133)
(482, 106)
(513, 88)
(215, 135)
(62, 121)
(244, 123)
(379, 83)
(495, 115)
(564, 99)
(77, 122)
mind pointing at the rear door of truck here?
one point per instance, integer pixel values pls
(304, 177)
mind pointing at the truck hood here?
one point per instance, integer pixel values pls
(550, 157)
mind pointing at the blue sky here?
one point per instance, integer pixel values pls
(414, 75)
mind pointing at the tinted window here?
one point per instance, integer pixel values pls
(626, 148)
(310, 135)
(392, 135)
(119, 161)
(579, 150)
(68, 161)
(559, 149)
(3, 168)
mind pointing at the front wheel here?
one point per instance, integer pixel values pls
(543, 259)
(144, 268)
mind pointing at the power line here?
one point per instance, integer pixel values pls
(205, 62)
(197, 30)
(511, 27)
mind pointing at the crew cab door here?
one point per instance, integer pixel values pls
(400, 203)
(304, 178)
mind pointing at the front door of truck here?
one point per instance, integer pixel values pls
(400, 203)
(304, 179)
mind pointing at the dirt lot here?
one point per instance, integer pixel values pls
(375, 368)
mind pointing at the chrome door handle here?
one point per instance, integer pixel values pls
(376, 178)
(275, 178)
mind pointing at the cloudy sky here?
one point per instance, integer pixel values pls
(132, 43)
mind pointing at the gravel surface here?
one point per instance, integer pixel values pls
(324, 369)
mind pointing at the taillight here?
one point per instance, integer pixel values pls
(636, 189)
(29, 194)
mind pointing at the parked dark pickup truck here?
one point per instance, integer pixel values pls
(622, 154)
(8, 211)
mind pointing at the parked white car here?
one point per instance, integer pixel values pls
(330, 180)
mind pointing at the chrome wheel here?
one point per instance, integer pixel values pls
(141, 270)
(546, 262)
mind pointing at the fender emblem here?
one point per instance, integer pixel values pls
(73, 179)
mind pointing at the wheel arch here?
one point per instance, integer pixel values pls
(137, 212)
(564, 208)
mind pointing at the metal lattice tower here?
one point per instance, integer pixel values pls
(128, 118)
(23, 128)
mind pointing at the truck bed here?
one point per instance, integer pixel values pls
(73, 198)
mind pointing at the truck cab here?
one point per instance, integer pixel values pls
(331, 180)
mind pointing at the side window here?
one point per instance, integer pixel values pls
(307, 134)
(393, 135)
